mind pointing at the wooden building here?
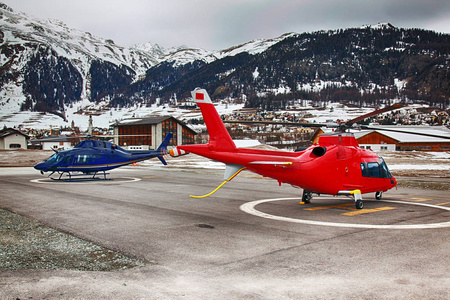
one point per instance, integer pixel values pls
(376, 141)
(401, 138)
(148, 133)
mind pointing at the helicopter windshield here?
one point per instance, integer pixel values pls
(55, 158)
(375, 169)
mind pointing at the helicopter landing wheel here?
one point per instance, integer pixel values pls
(307, 196)
(359, 204)
(378, 195)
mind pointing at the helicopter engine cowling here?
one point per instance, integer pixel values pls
(319, 151)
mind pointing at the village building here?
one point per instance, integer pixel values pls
(148, 133)
(400, 138)
(11, 138)
(60, 142)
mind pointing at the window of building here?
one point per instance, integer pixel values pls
(14, 146)
(170, 126)
(136, 135)
(188, 137)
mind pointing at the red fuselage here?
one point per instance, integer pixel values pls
(340, 165)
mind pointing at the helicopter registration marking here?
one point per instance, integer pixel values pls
(249, 208)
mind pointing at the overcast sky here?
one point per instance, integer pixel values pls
(220, 24)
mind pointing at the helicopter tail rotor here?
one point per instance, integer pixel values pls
(162, 149)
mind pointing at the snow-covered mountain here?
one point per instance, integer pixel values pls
(78, 46)
(48, 70)
(49, 67)
(26, 43)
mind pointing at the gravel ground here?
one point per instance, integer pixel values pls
(29, 244)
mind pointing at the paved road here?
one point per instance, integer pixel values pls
(212, 249)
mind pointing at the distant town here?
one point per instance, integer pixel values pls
(282, 129)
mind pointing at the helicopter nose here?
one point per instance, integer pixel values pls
(42, 166)
(393, 182)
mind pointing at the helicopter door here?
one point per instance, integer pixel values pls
(375, 173)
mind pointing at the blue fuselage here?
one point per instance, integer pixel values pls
(94, 156)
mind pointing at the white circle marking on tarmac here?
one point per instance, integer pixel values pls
(109, 181)
(249, 208)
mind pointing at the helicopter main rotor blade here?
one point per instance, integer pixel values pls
(405, 131)
(374, 113)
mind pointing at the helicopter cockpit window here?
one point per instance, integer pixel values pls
(375, 170)
(384, 170)
(55, 158)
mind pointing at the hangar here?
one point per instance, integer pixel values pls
(148, 133)
(400, 138)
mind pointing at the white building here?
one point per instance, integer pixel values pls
(62, 142)
(12, 139)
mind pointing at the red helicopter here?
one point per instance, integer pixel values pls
(336, 165)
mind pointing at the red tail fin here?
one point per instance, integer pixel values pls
(219, 138)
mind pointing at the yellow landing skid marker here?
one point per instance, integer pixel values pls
(221, 185)
(343, 206)
(366, 211)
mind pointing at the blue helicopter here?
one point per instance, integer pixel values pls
(93, 157)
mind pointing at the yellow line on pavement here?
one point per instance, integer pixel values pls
(420, 199)
(366, 211)
(343, 206)
(442, 204)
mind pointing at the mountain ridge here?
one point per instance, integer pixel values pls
(46, 67)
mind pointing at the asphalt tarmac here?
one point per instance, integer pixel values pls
(233, 245)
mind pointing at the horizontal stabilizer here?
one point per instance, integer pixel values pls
(231, 170)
